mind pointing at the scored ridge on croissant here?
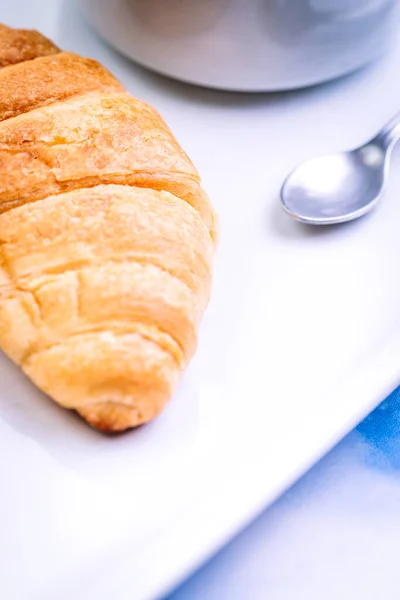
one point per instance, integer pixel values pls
(106, 237)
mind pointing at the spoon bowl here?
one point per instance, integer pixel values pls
(340, 187)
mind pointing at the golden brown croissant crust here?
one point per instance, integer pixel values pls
(18, 45)
(106, 237)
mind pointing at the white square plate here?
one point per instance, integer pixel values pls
(300, 341)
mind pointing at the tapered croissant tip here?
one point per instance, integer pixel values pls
(113, 417)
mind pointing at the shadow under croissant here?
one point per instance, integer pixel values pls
(25, 407)
(71, 441)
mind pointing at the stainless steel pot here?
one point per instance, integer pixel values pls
(247, 45)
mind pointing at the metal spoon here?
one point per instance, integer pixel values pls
(344, 186)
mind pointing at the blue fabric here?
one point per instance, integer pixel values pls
(381, 430)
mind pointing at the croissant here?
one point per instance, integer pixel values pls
(106, 237)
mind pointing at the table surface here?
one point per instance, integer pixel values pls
(335, 534)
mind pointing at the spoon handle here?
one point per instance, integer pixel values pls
(389, 134)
